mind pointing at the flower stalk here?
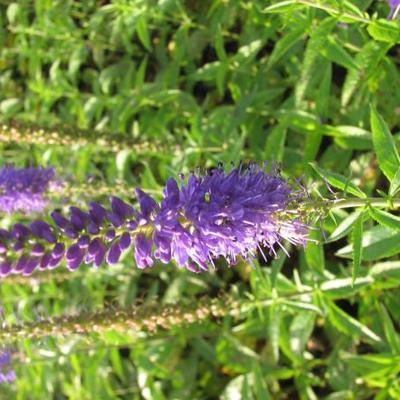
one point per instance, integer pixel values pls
(17, 132)
(137, 318)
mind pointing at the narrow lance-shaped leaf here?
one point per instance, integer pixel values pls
(384, 146)
(357, 246)
(391, 335)
(395, 184)
(338, 181)
(385, 218)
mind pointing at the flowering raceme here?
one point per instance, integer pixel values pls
(229, 215)
(22, 189)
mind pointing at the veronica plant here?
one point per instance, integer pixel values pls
(219, 214)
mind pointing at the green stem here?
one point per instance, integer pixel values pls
(363, 202)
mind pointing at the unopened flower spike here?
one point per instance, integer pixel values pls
(23, 189)
(219, 214)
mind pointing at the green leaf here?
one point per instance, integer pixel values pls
(333, 51)
(314, 252)
(344, 227)
(344, 287)
(384, 30)
(384, 218)
(374, 365)
(283, 7)
(312, 60)
(357, 246)
(368, 59)
(300, 331)
(395, 184)
(384, 146)
(338, 181)
(275, 143)
(283, 45)
(143, 32)
(347, 137)
(391, 335)
(378, 242)
(389, 269)
(347, 324)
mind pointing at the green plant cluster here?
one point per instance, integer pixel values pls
(309, 84)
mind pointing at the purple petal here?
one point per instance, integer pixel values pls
(5, 268)
(58, 250)
(45, 261)
(73, 252)
(143, 252)
(120, 208)
(21, 263)
(147, 203)
(73, 264)
(37, 249)
(110, 235)
(124, 241)
(30, 266)
(43, 231)
(114, 253)
(20, 231)
(83, 241)
(97, 213)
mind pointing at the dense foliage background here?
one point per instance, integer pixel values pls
(210, 81)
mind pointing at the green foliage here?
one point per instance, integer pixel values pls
(310, 84)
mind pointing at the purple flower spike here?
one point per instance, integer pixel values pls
(113, 254)
(229, 215)
(23, 189)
